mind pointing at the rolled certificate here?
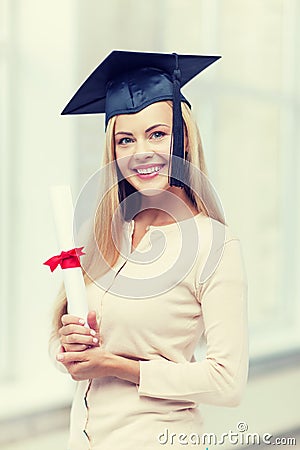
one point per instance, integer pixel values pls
(69, 258)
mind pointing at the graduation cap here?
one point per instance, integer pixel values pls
(127, 82)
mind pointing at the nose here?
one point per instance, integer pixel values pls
(141, 151)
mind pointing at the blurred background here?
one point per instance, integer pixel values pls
(247, 108)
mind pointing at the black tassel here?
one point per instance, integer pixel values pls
(177, 168)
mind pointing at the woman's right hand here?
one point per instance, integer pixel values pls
(75, 337)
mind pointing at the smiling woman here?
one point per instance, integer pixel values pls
(178, 275)
(142, 151)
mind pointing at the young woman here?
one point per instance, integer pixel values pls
(170, 271)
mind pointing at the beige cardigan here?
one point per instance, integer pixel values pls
(182, 284)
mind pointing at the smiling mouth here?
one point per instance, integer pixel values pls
(149, 170)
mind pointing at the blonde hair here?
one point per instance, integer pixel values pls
(198, 189)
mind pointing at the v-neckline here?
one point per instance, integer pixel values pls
(132, 248)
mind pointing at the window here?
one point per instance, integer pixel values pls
(247, 106)
(32, 139)
(5, 204)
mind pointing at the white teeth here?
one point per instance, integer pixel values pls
(149, 170)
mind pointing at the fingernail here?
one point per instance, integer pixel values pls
(95, 340)
(93, 332)
(81, 321)
(60, 357)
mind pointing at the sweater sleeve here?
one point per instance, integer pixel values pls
(221, 377)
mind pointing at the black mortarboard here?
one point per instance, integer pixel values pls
(126, 82)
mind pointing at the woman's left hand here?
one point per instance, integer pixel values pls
(87, 364)
(96, 363)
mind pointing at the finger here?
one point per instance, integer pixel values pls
(74, 347)
(76, 329)
(66, 319)
(70, 357)
(94, 325)
(92, 321)
(78, 339)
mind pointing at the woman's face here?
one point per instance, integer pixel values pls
(142, 147)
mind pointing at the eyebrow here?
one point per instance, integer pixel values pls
(147, 131)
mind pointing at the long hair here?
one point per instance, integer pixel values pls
(198, 189)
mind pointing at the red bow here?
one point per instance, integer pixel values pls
(67, 260)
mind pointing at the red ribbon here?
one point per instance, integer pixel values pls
(66, 260)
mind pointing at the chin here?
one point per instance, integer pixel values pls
(152, 192)
(152, 189)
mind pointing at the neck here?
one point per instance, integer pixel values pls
(166, 207)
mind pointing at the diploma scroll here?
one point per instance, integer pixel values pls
(63, 212)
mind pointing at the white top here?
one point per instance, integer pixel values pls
(181, 284)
